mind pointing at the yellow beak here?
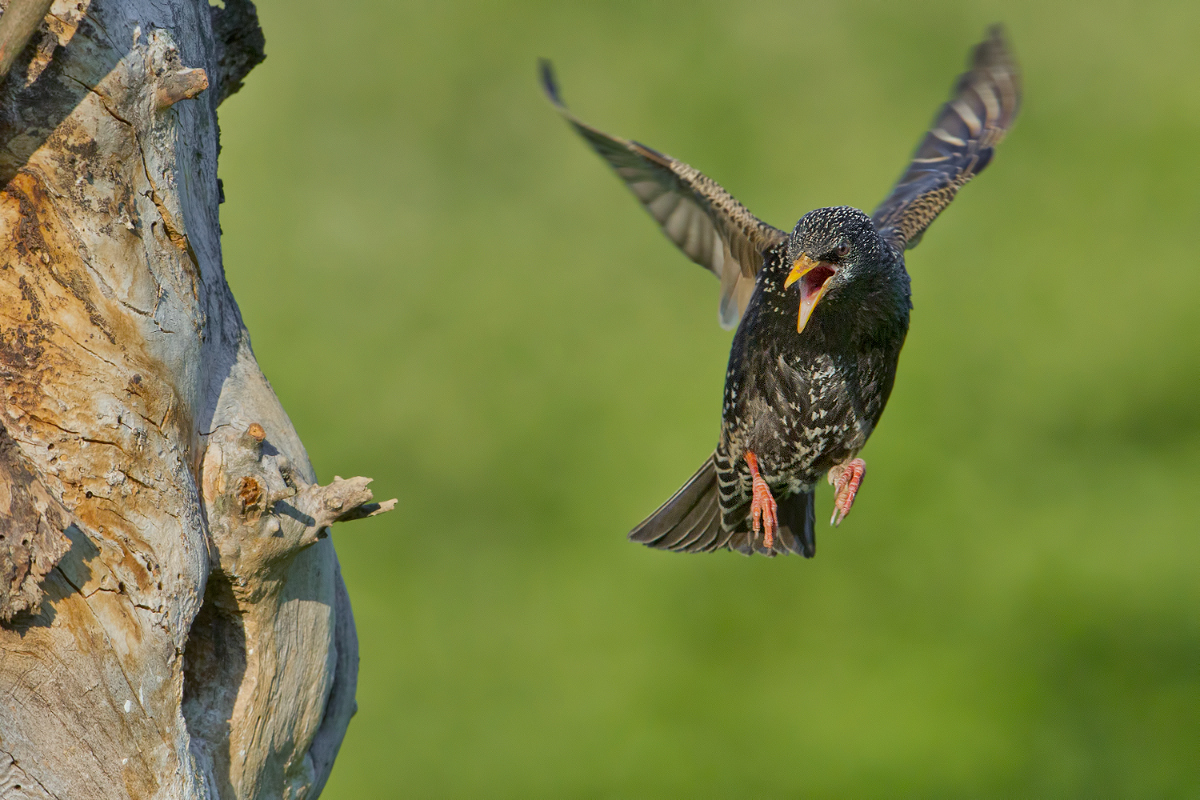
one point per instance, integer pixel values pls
(815, 277)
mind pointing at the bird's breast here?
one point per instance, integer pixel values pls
(799, 419)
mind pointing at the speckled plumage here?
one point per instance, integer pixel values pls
(811, 366)
(805, 403)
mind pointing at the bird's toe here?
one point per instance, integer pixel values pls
(846, 479)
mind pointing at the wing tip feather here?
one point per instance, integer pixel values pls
(959, 139)
(742, 236)
(549, 83)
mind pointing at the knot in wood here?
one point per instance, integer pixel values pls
(256, 432)
(250, 494)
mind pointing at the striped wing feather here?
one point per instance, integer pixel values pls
(701, 218)
(959, 144)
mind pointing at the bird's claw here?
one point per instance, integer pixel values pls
(845, 478)
(764, 512)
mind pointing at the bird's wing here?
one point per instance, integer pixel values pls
(702, 219)
(958, 145)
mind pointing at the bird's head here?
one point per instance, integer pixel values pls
(831, 253)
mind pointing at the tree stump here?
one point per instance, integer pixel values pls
(173, 622)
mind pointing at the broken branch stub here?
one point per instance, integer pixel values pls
(263, 513)
(182, 85)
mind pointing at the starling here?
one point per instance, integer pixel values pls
(823, 314)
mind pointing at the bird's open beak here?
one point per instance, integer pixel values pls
(814, 280)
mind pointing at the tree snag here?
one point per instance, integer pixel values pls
(173, 622)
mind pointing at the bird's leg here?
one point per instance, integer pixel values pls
(763, 510)
(845, 479)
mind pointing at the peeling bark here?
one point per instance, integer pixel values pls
(173, 622)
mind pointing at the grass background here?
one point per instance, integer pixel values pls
(453, 295)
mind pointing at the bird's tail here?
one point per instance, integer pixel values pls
(796, 533)
(798, 523)
(690, 522)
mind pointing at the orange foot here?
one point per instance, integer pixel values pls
(763, 510)
(845, 478)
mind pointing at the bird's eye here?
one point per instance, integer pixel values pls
(843, 248)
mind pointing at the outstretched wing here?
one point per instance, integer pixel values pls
(702, 219)
(959, 144)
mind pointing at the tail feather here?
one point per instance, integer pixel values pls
(796, 532)
(690, 522)
(711, 538)
(700, 524)
(693, 526)
(690, 516)
(797, 524)
(739, 542)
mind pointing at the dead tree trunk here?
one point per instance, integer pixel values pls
(172, 619)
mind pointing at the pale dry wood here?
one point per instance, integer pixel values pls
(18, 22)
(195, 638)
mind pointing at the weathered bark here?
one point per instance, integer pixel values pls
(194, 638)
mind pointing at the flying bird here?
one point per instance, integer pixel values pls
(821, 315)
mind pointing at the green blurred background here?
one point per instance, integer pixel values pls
(452, 294)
